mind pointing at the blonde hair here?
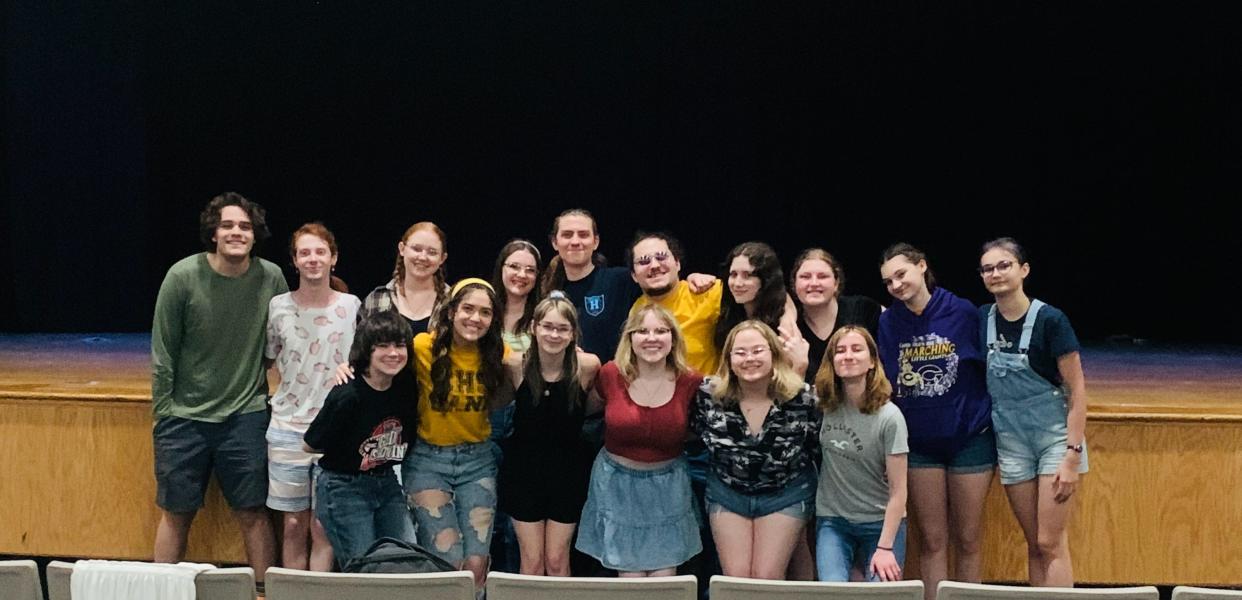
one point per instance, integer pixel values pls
(784, 384)
(627, 362)
(878, 390)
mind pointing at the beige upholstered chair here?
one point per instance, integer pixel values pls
(1185, 592)
(225, 584)
(58, 575)
(19, 580)
(740, 588)
(216, 584)
(952, 590)
(289, 584)
(508, 586)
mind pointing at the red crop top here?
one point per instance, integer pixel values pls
(642, 433)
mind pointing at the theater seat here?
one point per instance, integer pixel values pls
(216, 584)
(952, 590)
(290, 584)
(19, 580)
(741, 588)
(509, 586)
(1185, 592)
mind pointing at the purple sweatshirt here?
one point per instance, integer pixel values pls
(937, 368)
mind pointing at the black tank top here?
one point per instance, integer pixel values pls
(549, 423)
(417, 326)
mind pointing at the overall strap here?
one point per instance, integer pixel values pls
(1028, 326)
(992, 326)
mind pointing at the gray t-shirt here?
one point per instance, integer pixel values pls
(853, 483)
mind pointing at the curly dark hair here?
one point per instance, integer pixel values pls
(209, 219)
(769, 298)
(491, 350)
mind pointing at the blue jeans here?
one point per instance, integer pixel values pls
(466, 474)
(840, 544)
(357, 509)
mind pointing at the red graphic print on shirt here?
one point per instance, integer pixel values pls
(384, 445)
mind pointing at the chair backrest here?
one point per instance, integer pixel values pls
(510, 586)
(19, 580)
(952, 590)
(225, 584)
(59, 574)
(216, 584)
(289, 584)
(1185, 592)
(740, 588)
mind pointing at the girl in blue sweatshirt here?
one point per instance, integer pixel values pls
(929, 346)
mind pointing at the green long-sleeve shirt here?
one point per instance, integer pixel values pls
(207, 340)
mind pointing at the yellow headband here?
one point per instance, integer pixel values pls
(467, 281)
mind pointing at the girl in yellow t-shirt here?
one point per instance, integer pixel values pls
(450, 476)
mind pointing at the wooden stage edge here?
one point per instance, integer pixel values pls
(1159, 506)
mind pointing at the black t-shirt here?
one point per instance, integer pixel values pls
(362, 429)
(603, 300)
(851, 310)
(1051, 338)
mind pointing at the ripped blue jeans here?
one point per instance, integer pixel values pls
(451, 491)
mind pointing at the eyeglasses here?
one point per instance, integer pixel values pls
(516, 268)
(549, 329)
(1001, 267)
(658, 331)
(646, 259)
(743, 354)
(427, 251)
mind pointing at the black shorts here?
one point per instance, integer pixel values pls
(542, 485)
(187, 452)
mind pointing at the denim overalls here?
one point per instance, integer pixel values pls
(1028, 412)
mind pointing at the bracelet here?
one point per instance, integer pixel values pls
(890, 549)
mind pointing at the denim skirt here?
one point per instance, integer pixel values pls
(637, 520)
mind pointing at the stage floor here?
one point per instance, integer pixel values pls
(1169, 383)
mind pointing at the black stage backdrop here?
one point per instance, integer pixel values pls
(1105, 136)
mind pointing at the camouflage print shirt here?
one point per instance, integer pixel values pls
(755, 464)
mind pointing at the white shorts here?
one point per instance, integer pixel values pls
(290, 485)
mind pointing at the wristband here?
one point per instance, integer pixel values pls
(890, 549)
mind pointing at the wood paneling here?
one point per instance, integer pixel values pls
(78, 481)
(1161, 505)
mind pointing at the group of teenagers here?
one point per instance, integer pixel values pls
(772, 422)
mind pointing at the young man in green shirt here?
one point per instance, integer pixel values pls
(208, 383)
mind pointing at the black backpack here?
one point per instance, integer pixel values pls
(391, 555)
